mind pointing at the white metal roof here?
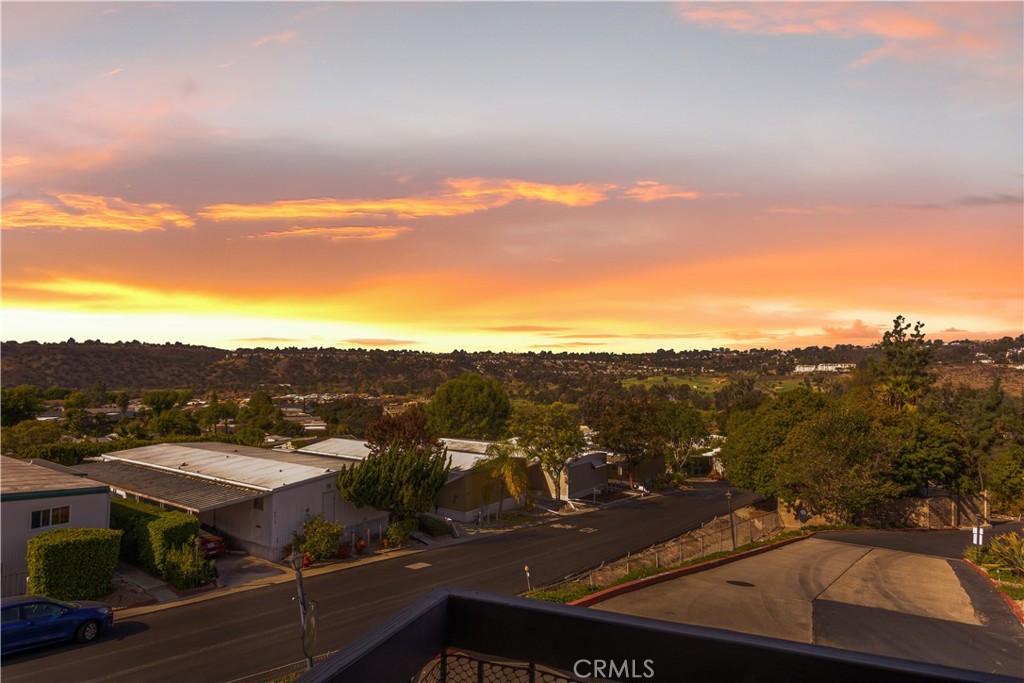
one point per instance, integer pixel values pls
(230, 468)
(355, 449)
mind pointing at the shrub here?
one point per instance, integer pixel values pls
(73, 564)
(184, 568)
(1005, 554)
(400, 531)
(170, 530)
(319, 537)
(435, 526)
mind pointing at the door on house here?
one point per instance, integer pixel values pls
(328, 506)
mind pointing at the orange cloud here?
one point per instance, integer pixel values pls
(858, 330)
(370, 232)
(653, 191)
(908, 32)
(464, 196)
(87, 212)
(524, 328)
(379, 342)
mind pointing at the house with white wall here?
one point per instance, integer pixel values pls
(257, 498)
(36, 496)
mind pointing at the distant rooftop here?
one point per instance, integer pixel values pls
(22, 480)
(225, 463)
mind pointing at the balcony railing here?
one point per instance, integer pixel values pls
(455, 635)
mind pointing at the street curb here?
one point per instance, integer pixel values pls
(288, 576)
(637, 584)
(1014, 607)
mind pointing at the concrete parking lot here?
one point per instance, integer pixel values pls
(850, 596)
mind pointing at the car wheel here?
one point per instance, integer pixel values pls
(88, 631)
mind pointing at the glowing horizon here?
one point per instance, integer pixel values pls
(512, 177)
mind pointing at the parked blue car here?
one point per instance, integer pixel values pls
(28, 621)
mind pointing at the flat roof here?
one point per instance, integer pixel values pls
(21, 480)
(353, 449)
(232, 465)
(179, 490)
(356, 450)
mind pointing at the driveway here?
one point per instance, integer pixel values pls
(851, 596)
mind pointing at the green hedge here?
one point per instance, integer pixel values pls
(73, 564)
(133, 518)
(150, 532)
(171, 530)
(434, 526)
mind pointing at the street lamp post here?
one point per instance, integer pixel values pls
(732, 525)
(305, 614)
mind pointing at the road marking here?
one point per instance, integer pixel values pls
(562, 526)
(587, 530)
(417, 565)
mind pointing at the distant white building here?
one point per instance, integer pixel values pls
(827, 367)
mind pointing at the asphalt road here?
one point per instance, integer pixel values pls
(241, 634)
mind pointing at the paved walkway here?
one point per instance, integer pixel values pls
(848, 596)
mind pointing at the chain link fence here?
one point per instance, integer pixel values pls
(716, 536)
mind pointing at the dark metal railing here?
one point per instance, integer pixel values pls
(523, 635)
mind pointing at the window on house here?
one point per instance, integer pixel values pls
(257, 503)
(51, 517)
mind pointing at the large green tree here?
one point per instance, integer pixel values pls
(18, 404)
(470, 407)
(409, 429)
(684, 430)
(629, 427)
(752, 454)
(399, 479)
(550, 433)
(903, 375)
(837, 464)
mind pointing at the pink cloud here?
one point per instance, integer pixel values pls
(912, 32)
(278, 38)
(653, 191)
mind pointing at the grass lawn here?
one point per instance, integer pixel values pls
(707, 385)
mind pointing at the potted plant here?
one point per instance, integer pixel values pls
(360, 545)
(344, 551)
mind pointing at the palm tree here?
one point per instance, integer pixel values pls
(506, 465)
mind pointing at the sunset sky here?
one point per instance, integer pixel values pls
(515, 176)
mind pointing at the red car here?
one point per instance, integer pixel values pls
(212, 544)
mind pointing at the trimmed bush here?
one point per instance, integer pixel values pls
(184, 568)
(400, 531)
(434, 526)
(73, 564)
(150, 532)
(133, 518)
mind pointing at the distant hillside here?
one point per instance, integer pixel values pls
(120, 365)
(542, 376)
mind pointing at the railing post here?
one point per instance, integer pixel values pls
(444, 666)
(480, 671)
